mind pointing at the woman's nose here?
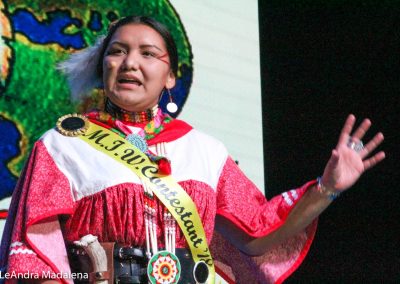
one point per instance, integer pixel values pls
(131, 62)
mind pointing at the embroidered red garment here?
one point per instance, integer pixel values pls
(67, 178)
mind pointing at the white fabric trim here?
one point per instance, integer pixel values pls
(294, 194)
(195, 156)
(21, 250)
(287, 198)
(16, 244)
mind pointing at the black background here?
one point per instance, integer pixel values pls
(320, 61)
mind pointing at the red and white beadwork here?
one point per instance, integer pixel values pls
(164, 268)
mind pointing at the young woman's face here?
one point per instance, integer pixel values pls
(136, 67)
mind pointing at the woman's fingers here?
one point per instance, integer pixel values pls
(361, 130)
(375, 159)
(371, 145)
(346, 130)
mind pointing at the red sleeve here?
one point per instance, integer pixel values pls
(239, 201)
(32, 240)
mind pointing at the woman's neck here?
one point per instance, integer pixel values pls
(130, 116)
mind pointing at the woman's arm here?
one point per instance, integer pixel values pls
(306, 210)
(343, 169)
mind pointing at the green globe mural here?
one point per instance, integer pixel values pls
(35, 36)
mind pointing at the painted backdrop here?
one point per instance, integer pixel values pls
(35, 35)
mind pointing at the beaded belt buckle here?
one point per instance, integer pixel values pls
(164, 267)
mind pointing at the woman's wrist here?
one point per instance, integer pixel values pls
(326, 191)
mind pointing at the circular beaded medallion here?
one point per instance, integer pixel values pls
(164, 268)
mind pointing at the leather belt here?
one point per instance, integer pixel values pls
(129, 265)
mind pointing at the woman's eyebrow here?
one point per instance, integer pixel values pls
(118, 43)
(150, 45)
(142, 46)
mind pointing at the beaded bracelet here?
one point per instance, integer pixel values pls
(321, 188)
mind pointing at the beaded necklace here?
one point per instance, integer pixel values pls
(154, 120)
(130, 116)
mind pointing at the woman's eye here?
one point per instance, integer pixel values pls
(148, 54)
(115, 52)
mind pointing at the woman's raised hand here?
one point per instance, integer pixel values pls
(350, 159)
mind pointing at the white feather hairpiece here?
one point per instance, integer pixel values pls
(81, 70)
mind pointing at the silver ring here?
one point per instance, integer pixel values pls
(356, 146)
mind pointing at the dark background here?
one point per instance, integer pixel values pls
(320, 61)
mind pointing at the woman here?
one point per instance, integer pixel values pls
(77, 186)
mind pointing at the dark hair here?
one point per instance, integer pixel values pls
(155, 25)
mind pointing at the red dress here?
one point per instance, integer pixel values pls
(95, 195)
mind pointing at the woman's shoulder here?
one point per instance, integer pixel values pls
(64, 133)
(202, 143)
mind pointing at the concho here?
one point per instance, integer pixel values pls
(72, 124)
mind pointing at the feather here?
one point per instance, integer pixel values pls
(81, 70)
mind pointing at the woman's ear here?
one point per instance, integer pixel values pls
(171, 80)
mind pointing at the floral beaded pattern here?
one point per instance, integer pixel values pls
(154, 127)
